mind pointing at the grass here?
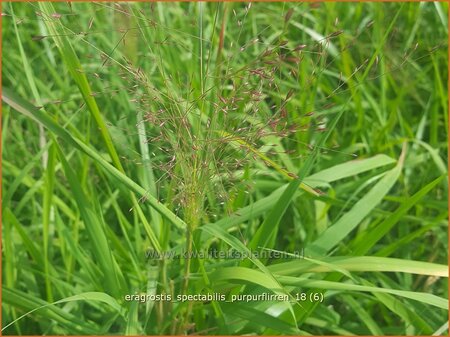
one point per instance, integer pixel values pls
(182, 128)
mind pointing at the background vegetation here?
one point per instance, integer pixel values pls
(320, 127)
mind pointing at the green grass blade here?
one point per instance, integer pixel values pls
(96, 231)
(364, 315)
(336, 233)
(88, 297)
(29, 110)
(268, 280)
(239, 143)
(359, 264)
(73, 64)
(49, 181)
(430, 299)
(27, 302)
(259, 318)
(348, 169)
(270, 224)
(373, 236)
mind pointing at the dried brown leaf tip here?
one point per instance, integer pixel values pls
(288, 15)
(300, 47)
(336, 33)
(289, 94)
(91, 21)
(38, 37)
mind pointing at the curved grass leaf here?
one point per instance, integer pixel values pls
(374, 235)
(29, 110)
(359, 264)
(348, 169)
(31, 304)
(257, 277)
(59, 314)
(337, 232)
(330, 285)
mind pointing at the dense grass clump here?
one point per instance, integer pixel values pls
(225, 168)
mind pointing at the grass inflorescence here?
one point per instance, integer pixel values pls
(183, 128)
